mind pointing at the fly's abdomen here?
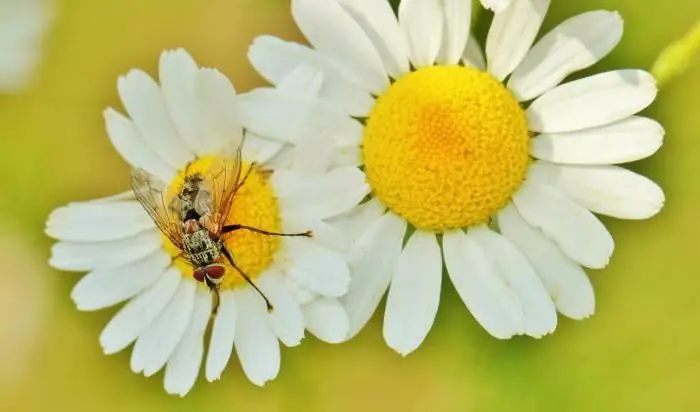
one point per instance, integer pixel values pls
(200, 248)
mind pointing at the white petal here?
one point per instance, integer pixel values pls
(320, 195)
(512, 33)
(222, 335)
(475, 276)
(625, 141)
(592, 101)
(335, 34)
(607, 190)
(105, 287)
(98, 221)
(457, 17)
(145, 104)
(473, 55)
(355, 222)
(278, 115)
(496, 6)
(414, 294)
(347, 156)
(314, 153)
(372, 264)
(177, 72)
(317, 268)
(183, 366)
(379, 23)
(260, 149)
(302, 295)
(155, 344)
(286, 318)
(326, 319)
(138, 314)
(86, 256)
(133, 148)
(574, 45)
(566, 282)
(256, 344)
(576, 231)
(422, 22)
(275, 59)
(219, 122)
(539, 313)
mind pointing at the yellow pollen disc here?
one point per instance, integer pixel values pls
(445, 147)
(254, 205)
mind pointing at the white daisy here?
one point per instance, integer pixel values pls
(191, 117)
(497, 167)
(22, 27)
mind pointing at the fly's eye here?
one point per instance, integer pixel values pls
(215, 272)
(199, 274)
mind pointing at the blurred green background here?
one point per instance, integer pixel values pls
(640, 352)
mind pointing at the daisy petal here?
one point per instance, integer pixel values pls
(496, 6)
(274, 59)
(625, 141)
(475, 276)
(414, 294)
(256, 344)
(145, 104)
(539, 313)
(86, 256)
(260, 149)
(592, 101)
(138, 314)
(379, 23)
(607, 190)
(324, 233)
(183, 366)
(105, 287)
(457, 17)
(336, 35)
(318, 269)
(354, 223)
(320, 195)
(219, 123)
(132, 148)
(422, 22)
(512, 33)
(302, 80)
(222, 334)
(326, 319)
(574, 45)
(155, 344)
(98, 221)
(473, 55)
(177, 72)
(565, 281)
(278, 115)
(286, 318)
(576, 231)
(372, 263)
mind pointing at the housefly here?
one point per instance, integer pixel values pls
(194, 218)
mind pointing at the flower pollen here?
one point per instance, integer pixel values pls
(445, 147)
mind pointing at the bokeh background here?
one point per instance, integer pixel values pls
(640, 352)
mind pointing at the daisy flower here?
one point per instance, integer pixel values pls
(187, 121)
(22, 27)
(489, 164)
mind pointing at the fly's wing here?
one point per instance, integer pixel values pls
(150, 192)
(222, 181)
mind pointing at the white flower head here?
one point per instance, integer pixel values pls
(23, 24)
(187, 122)
(497, 165)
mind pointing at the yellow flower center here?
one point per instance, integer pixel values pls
(254, 205)
(445, 147)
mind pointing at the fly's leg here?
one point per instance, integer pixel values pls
(216, 296)
(245, 177)
(226, 253)
(231, 228)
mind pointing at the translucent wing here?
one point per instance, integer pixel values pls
(150, 192)
(223, 180)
